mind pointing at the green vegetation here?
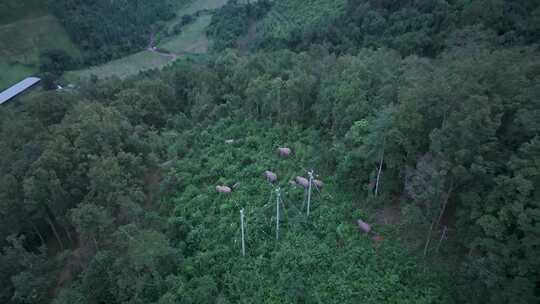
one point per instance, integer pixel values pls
(192, 38)
(289, 16)
(24, 41)
(420, 119)
(15, 10)
(123, 67)
(13, 73)
(233, 21)
(106, 30)
(199, 5)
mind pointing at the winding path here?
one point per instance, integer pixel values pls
(155, 50)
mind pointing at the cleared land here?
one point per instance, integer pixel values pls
(192, 40)
(23, 41)
(122, 67)
(15, 10)
(199, 5)
(12, 73)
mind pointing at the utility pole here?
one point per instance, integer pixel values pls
(242, 224)
(278, 198)
(380, 169)
(310, 173)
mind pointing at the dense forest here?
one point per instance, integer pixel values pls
(420, 117)
(105, 29)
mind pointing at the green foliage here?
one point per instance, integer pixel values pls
(13, 10)
(311, 262)
(410, 27)
(34, 272)
(233, 20)
(117, 179)
(25, 39)
(288, 17)
(105, 30)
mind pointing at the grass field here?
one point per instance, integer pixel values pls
(192, 40)
(198, 5)
(15, 10)
(13, 73)
(22, 42)
(122, 67)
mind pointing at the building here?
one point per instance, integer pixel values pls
(18, 88)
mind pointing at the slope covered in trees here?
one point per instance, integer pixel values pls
(108, 193)
(106, 29)
(411, 27)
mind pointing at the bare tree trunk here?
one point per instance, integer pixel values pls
(380, 170)
(38, 233)
(443, 235)
(445, 203)
(56, 235)
(428, 240)
(69, 236)
(95, 243)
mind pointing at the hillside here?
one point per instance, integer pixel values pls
(287, 17)
(191, 40)
(13, 10)
(368, 152)
(27, 30)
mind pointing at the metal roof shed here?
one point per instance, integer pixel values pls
(18, 88)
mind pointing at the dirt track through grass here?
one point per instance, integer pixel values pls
(192, 40)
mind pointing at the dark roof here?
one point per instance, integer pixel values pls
(18, 88)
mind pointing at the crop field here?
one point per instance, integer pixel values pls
(289, 15)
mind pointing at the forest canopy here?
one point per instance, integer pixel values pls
(419, 117)
(105, 29)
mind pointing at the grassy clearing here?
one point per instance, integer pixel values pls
(199, 5)
(22, 41)
(14, 10)
(12, 73)
(192, 7)
(192, 39)
(122, 67)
